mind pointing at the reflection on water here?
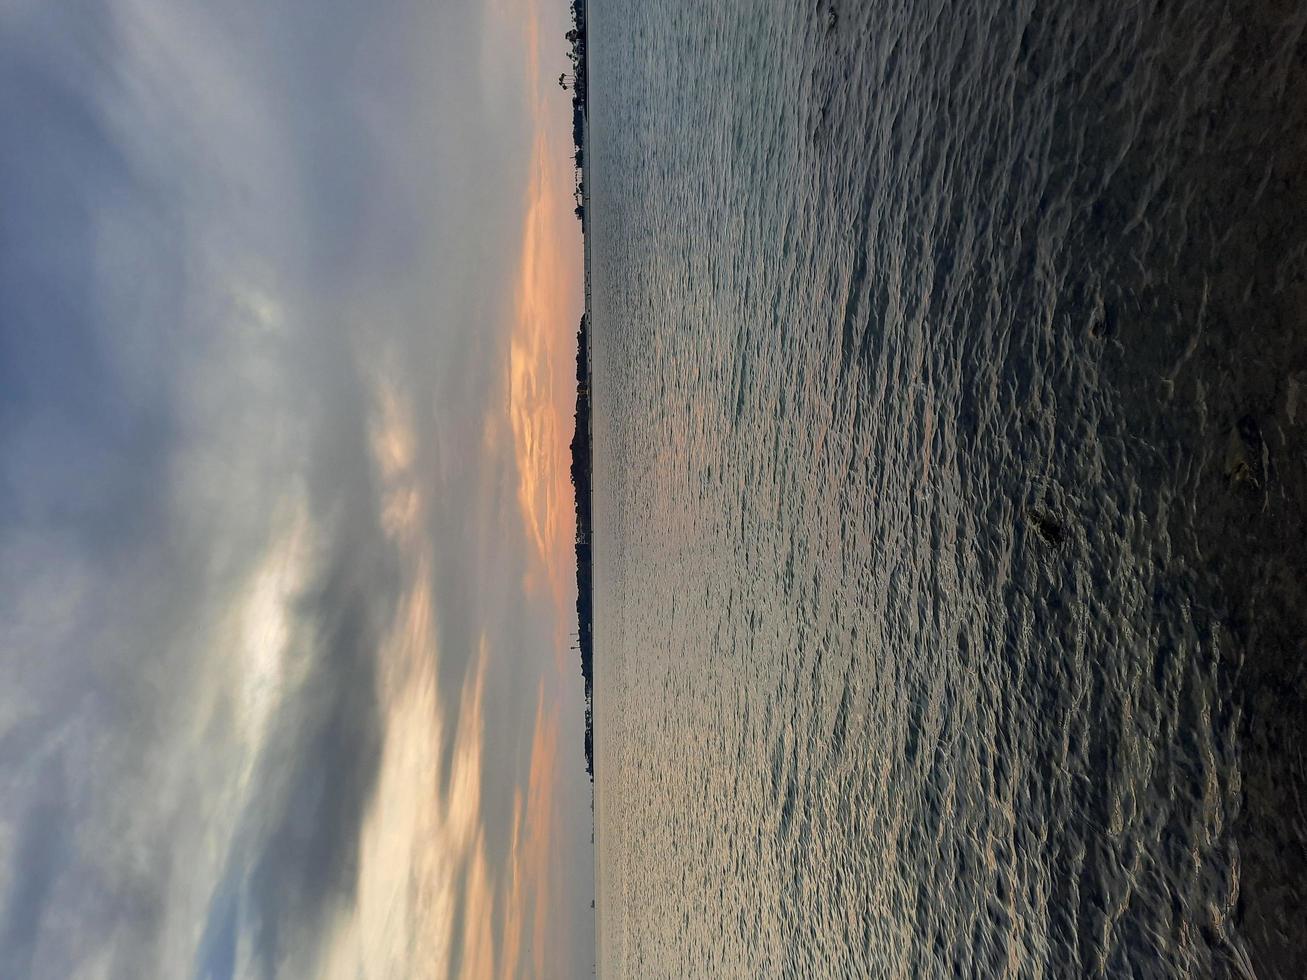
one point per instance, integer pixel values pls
(950, 399)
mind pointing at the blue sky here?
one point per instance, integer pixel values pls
(287, 293)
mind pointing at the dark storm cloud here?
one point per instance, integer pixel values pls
(296, 859)
(306, 864)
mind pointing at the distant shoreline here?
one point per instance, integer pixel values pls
(581, 440)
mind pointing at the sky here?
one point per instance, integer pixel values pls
(288, 299)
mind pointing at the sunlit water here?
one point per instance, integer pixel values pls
(950, 398)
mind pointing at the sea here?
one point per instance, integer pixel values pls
(950, 487)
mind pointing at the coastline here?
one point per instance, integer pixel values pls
(583, 431)
(583, 435)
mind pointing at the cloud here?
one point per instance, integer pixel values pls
(540, 852)
(41, 849)
(268, 663)
(542, 389)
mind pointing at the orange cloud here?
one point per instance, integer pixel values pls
(542, 346)
(534, 863)
(513, 907)
(541, 813)
(541, 392)
(548, 297)
(421, 845)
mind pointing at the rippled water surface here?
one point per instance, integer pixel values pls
(950, 478)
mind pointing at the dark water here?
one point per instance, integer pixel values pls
(950, 404)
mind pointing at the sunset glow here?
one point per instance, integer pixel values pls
(541, 354)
